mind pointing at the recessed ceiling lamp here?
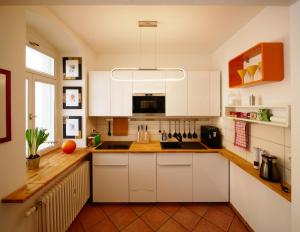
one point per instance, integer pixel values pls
(142, 24)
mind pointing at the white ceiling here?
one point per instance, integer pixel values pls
(181, 29)
(146, 2)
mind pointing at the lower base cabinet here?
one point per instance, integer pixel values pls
(142, 177)
(110, 177)
(174, 177)
(210, 178)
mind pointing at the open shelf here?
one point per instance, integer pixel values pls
(272, 68)
(277, 110)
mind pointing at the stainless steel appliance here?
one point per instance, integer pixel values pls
(148, 104)
(268, 169)
(211, 136)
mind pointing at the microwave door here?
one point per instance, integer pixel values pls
(148, 105)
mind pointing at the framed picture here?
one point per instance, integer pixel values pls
(72, 127)
(72, 98)
(72, 68)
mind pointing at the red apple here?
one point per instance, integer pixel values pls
(68, 146)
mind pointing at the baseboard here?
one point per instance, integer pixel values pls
(240, 217)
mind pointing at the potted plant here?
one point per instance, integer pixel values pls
(34, 137)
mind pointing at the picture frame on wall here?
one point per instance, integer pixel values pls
(72, 127)
(72, 68)
(72, 97)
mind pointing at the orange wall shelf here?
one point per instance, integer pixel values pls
(272, 68)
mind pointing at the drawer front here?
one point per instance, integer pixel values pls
(174, 159)
(110, 159)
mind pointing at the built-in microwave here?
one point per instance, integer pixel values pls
(148, 104)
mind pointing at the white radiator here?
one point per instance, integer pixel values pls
(62, 203)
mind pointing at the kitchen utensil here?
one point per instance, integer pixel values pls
(195, 134)
(159, 131)
(268, 169)
(109, 132)
(190, 134)
(175, 133)
(170, 134)
(184, 134)
(120, 126)
(179, 134)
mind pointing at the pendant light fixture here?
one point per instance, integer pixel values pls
(144, 24)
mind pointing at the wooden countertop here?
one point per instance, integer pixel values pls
(56, 162)
(52, 165)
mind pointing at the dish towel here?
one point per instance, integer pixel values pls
(241, 134)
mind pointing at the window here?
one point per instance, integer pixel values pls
(39, 61)
(40, 94)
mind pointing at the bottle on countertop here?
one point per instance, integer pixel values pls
(146, 135)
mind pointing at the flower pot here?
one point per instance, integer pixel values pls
(33, 163)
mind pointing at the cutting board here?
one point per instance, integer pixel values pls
(120, 126)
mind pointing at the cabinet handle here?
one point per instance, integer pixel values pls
(175, 165)
(112, 165)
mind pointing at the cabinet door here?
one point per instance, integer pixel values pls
(110, 177)
(149, 82)
(215, 93)
(198, 93)
(211, 178)
(174, 177)
(142, 177)
(99, 93)
(176, 95)
(121, 94)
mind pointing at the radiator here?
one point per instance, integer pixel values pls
(59, 206)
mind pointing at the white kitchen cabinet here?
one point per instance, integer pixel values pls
(99, 93)
(121, 94)
(174, 177)
(210, 178)
(142, 177)
(149, 82)
(203, 93)
(110, 177)
(176, 95)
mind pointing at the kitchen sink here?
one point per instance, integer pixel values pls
(182, 145)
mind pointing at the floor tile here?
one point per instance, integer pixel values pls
(225, 209)
(172, 226)
(218, 218)
(237, 226)
(139, 209)
(155, 218)
(75, 226)
(90, 215)
(198, 208)
(110, 209)
(103, 226)
(137, 226)
(169, 208)
(186, 218)
(206, 226)
(123, 217)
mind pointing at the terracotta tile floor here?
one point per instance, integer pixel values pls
(162, 217)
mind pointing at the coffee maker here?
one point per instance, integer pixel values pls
(211, 136)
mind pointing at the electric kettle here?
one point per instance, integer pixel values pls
(268, 169)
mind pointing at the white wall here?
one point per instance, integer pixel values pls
(295, 74)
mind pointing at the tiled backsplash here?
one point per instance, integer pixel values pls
(153, 128)
(275, 140)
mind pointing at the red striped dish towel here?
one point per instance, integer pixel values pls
(241, 134)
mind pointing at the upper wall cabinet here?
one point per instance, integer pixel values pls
(121, 94)
(99, 93)
(149, 82)
(176, 95)
(203, 93)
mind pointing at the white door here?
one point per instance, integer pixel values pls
(215, 93)
(149, 82)
(99, 93)
(110, 177)
(174, 177)
(121, 93)
(142, 177)
(198, 93)
(176, 94)
(211, 178)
